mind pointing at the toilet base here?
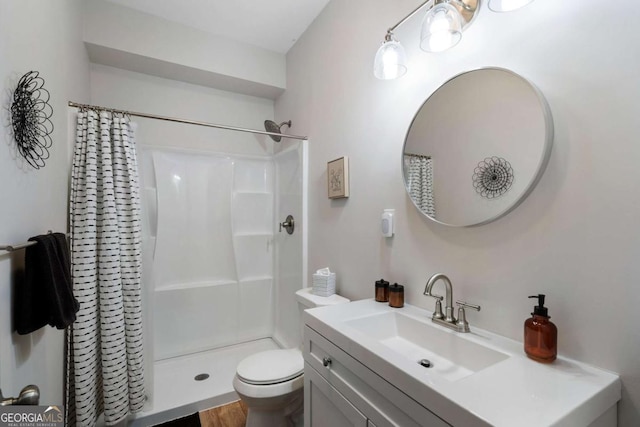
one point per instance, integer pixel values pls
(276, 405)
(279, 411)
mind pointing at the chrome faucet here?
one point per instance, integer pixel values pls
(447, 319)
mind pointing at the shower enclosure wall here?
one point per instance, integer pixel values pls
(213, 268)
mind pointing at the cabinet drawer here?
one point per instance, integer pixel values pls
(382, 403)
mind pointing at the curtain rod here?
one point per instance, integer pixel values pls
(189, 122)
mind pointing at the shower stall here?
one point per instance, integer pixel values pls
(218, 275)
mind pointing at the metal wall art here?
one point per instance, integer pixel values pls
(493, 177)
(338, 178)
(30, 114)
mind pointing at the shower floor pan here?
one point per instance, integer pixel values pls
(176, 392)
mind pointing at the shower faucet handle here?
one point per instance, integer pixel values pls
(288, 224)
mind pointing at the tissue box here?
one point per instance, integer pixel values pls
(324, 283)
(323, 292)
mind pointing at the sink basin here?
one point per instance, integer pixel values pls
(478, 379)
(449, 355)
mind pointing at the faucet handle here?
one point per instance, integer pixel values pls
(467, 305)
(463, 325)
(437, 313)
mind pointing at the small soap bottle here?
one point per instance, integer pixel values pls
(540, 335)
(396, 295)
(382, 291)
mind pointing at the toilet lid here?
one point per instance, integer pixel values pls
(271, 367)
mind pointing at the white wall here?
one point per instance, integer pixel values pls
(47, 37)
(126, 38)
(116, 88)
(576, 238)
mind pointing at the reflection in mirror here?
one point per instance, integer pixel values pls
(476, 147)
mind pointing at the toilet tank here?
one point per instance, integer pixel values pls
(306, 299)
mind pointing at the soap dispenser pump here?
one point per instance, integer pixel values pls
(540, 334)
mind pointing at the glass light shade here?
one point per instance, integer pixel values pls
(507, 5)
(441, 28)
(391, 61)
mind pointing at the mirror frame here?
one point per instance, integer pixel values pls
(548, 143)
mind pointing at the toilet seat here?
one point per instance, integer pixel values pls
(271, 367)
(252, 391)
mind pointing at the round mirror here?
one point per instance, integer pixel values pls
(477, 147)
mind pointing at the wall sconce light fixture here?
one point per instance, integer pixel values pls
(441, 29)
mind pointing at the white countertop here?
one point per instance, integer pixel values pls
(514, 392)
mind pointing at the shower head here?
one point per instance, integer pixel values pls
(272, 126)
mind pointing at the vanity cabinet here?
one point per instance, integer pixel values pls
(327, 406)
(341, 391)
(362, 362)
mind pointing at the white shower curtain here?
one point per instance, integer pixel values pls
(420, 183)
(104, 345)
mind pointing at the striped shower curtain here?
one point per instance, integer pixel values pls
(420, 183)
(104, 345)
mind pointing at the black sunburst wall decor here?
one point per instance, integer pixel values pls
(30, 114)
(493, 177)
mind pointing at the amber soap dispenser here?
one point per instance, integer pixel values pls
(540, 335)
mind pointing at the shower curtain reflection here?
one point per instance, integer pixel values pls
(419, 170)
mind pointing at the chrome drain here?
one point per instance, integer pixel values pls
(201, 377)
(425, 363)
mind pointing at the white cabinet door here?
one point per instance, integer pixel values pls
(379, 401)
(325, 406)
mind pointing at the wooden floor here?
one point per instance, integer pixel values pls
(231, 415)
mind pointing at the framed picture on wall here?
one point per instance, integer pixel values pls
(338, 178)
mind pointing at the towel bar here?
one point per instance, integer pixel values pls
(11, 248)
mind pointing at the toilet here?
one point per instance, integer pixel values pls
(271, 382)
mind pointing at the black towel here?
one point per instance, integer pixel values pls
(46, 296)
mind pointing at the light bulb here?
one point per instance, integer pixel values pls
(391, 60)
(441, 28)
